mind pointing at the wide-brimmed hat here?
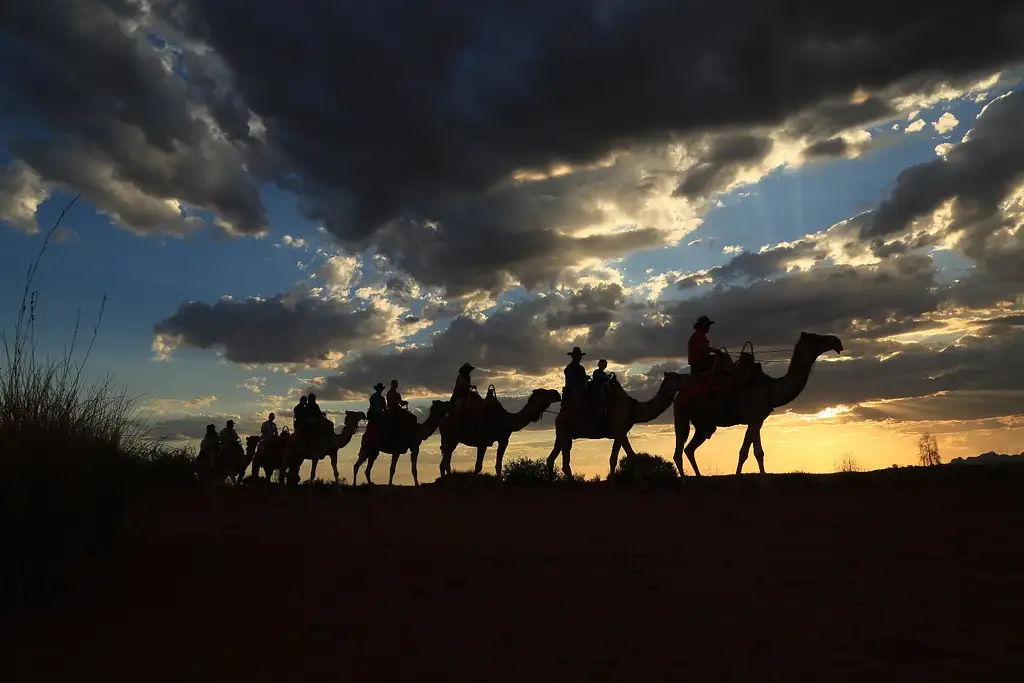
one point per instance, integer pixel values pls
(378, 385)
(466, 367)
(703, 320)
(231, 423)
(576, 351)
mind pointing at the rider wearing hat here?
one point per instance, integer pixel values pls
(228, 435)
(463, 385)
(701, 355)
(575, 376)
(377, 403)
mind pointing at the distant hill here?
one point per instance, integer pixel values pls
(990, 458)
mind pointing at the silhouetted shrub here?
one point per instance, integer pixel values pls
(525, 472)
(73, 453)
(326, 486)
(645, 469)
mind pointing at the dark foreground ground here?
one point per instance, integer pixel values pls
(869, 580)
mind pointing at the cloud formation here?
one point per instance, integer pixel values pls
(465, 142)
(479, 148)
(282, 330)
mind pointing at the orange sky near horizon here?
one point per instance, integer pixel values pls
(792, 443)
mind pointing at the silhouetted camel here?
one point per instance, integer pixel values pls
(323, 443)
(623, 411)
(223, 462)
(749, 404)
(406, 434)
(496, 427)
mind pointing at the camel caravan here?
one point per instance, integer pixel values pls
(717, 392)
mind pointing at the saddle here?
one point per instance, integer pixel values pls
(593, 407)
(721, 381)
(472, 409)
(372, 434)
(393, 422)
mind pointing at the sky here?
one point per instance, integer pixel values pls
(278, 201)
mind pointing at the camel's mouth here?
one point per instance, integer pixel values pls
(839, 348)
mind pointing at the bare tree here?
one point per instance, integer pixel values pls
(928, 451)
(848, 463)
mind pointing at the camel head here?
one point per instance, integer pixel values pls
(250, 444)
(813, 345)
(353, 418)
(438, 409)
(674, 381)
(541, 399)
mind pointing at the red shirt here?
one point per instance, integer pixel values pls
(699, 347)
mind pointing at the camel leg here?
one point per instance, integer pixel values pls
(758, 449)
(312, 468)
(360, 459)
(682, 429)
(414, 455)
(551, 459)
(748, 440)
(481, 453)
(369, 466)
(699, 437)
(334, 466)
(446, 460)
(499, 456)
(613, 461)
(394, 466)
(566, 456)
(626, 445)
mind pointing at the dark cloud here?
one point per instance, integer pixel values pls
(402, 129)
(93, 107)
(833, 147)
(455, 97)
(956, 406)
(278, 330)
(723, 162)
(193, 427)
(749, 265)
(822, 121)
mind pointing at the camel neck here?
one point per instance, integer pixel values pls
(523, 417)
(786, 388)
(425, 430)
(645, 411)
(346, 434)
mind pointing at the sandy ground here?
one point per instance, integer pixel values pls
(896, 582)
